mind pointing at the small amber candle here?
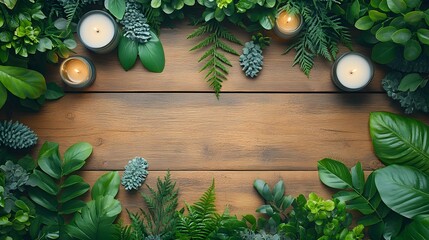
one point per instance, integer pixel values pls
(288, 25)
(77, 72)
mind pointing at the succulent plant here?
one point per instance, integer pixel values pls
(16, 135)
(251, 60)
(135, 23)
(135, 173)
(15, 176)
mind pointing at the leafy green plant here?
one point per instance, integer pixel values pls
(15, 223)
(216, 62)
(321, 33)
(56, 190)
(260, 13)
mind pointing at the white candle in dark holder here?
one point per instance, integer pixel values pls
(98, 31)
(77, 72)
(352, 72)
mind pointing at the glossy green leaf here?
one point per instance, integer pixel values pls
(190, 2)
(71, 180)
(401, 36)
(423, 36)
(354, 10)
(266, 22)
(75, 156)
(413, 3)
(360, 204)
(53, 91)
(392, 225)
(9, 3)
(364, 23)
(397, 6)
(358, 177)
(43, 199)
(384, 34)
(43, 181)
(127, 53)
(412, 50)
(72, 206)
(384, 52)
(411, 82)
(115, 7)
(376, 16)
(345, 195)
(369, 220)
(375, 3)
(263, 189)
(3, 95)
(370, 190)
(400, 140)
(21, 82)
(152, 54)
(418, 229)
(398, 22)
(106, 185)
(155, 3)
(383, 6)
(279, 191)
(49, 160)
(414, 17)
(404, 189)
(334, 174)
(73, 191)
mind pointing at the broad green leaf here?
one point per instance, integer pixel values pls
(177, 4)
(384, 52)
(152, 54)
(266, 22)
(383, 6)
(404, 189)
(106, 185)
(53, 91)
(345, 195)
(70, 43)
(397, 6)
(27, 162)
(190, 2)
(413, 3)
(401, 36)
(360, 204)
(279, 191)
(3, 95)
(61, 24)
(72, 206)
(115, 7)
(375, 3)
(411, 82)
(75, 156)
(334, 174)
(370, 190)
(49, 160)
(364, 23)
(376, 16)
(262, 187)
(43, 181)
(219, 14)
(400, 140)
(9, 3)
(21, 82)
(355, 9)
(392, 225)
(384, 34)
(127, 53)
(71, 180)
(418, 229)
(412, 50)
(155, 3)
(358, 177)
(73, 191)
(369, 220)
(414, 17)
(423, 36)
(43, 199)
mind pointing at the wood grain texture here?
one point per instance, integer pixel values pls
(193, 131)
(182, 70)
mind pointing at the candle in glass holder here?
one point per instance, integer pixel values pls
(77, 72)
(352, 72)
(98, 31)
(288, 25)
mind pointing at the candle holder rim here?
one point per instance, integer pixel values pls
(335, 77)
(87, 83)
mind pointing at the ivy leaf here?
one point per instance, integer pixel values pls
(21, 82)
(3, 95)
(384, 52)
(127, 53)
(411, 82)
(106, 185)
(152, 54)
(115, 7)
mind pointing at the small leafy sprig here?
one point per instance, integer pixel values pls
(215, 43)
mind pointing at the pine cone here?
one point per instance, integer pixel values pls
(135, 173)
(16, 135)
(134, 22)
(251, 60)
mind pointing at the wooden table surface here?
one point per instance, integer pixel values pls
(274, 127)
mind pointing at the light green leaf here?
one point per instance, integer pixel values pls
(75, 156)
(375, 3)
(411, 82)
(412, 50)
(423, 36)
(70, 43)
(364, 23)
(3, 95)
(384, 34)
(414, 17)
(266, 22)
(190, 2)
(401, 36)
(155, 3)
(9, 3)
(404, 189)
(384, 52)
(418, 229)
(400, 140)
(377, 16)
(106, 185)
(21, 82)
(152, 54)
(397, 6)
(334, 174)
(49, 160)
(383, 6)
(127, 53)
(115, 7)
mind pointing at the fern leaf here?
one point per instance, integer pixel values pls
(71, 11)
(226, 48)
(223, 59)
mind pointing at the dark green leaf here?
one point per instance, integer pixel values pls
(3, 95)
(53, 91)
(383, 6)
(71, 180)
(398, 22)
(72, 206)
(384, 52)
(418, 229)
(106, 185)
(75, 156)
(360, 204)
(73, 191)
(411, 82)
(413, 3)
(43, 181)
(397, 6)
(358, 177)
(355, 9)
(115, 7)
(392, 225)
(152, 54)
(334, 174)
(43, 199)
(278, 191)
(370, 189)
(364, 23)
(127, 53)
(412, 50)
(404, 189)
(401, 36)
(400, 140)
(423, 36)
(21, 82)
(345, 195)
(369, 220)
(27, 162)
(414, 17)
(49, 160)
(384, 34)
(375, 3)
(265, 209)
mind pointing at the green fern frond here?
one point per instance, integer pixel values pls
(216, 62)
(71, 10)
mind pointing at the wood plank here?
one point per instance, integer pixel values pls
(234, 189)
(183, 131)
(182, 70)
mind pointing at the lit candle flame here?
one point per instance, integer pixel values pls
(289, 19)
(97, 30)
(353, 71)
(77, 70)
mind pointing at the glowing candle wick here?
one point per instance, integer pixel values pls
(353, 71)
(289, 19)
(97, 30)
(77, 70)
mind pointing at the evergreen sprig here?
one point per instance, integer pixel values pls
(321, 33)
(216, 62)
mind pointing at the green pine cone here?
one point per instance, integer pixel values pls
(251, 60)
(135, 173)
(16, 135)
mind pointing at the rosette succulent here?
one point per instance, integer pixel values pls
(135, 23)
(135, 173)
(251, 60)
